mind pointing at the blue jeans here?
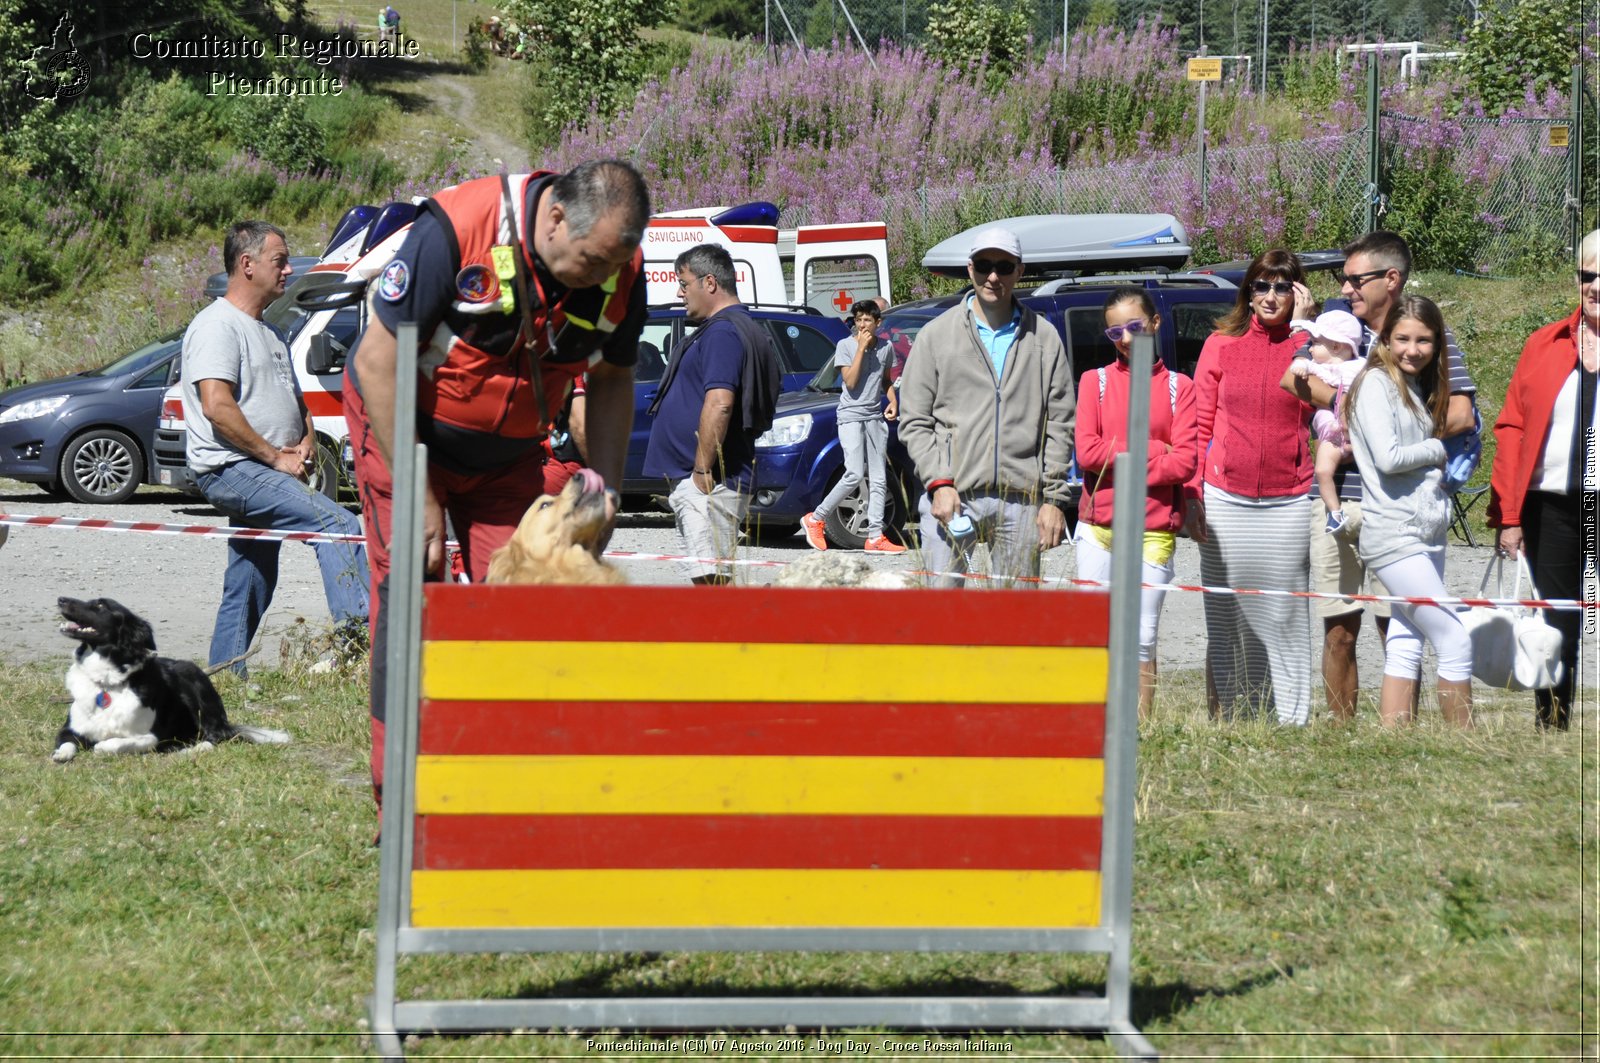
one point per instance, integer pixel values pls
(252, 495)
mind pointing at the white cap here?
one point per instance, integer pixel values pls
(996, 238)
(1339, 326)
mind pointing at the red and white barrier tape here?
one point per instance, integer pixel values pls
(22, 520)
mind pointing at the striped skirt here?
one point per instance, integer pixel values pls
(1258, 649)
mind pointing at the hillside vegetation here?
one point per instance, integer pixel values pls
(122, 193)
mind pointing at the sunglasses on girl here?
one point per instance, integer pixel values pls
(1587, 276)
(1263, 287)
(1130, 328)
(985, 266)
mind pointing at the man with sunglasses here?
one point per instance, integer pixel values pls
(1376, 267)
(986, 414)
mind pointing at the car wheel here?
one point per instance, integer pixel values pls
(324, 477)
(102, 466)
(847, 524)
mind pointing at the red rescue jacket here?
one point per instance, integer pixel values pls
(481, 391)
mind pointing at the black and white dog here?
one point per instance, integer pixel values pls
(125, 699)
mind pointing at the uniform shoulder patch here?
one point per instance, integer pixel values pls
(394, 281)
(476, 284)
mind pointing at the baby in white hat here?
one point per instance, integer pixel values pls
(1335, 338)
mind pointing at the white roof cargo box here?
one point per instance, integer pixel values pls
(1076, 243)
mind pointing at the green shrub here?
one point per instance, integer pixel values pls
(478, 47)
(593, 56)
(355, 116)
(1437, 212)
(1311, 79)
(724, 18)
(292, 140)
(992, 32)
(163, 126)
(1518, 45)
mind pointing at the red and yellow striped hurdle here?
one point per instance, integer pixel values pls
(655, 759)
(681, 768)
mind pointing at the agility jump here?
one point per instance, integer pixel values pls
(663, 768)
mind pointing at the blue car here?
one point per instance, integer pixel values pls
(805, 339)
(90, 434)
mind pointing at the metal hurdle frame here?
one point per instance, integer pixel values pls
(391, 1018)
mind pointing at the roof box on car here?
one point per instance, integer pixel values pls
(1076, 243)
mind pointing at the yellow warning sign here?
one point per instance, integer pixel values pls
(1557, 136)
(1204, 69)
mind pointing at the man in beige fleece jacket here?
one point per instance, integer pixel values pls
(986, 414)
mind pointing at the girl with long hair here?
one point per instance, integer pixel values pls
(1395, 416)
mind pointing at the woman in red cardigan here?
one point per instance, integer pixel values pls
(1543, 486)
(1102, 434)
(1248, 506)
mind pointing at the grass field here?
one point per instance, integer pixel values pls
(1298, 894)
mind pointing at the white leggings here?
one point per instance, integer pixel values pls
(1095, 563)
(1422, 576)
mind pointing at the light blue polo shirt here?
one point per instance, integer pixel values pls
(996, 341)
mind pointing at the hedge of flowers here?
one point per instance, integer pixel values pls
(930, 147)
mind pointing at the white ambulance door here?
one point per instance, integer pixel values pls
(836, 266)
(754, 249)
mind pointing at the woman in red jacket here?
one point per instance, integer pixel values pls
(1102, 434)
(1247, 502)
(1543, 486)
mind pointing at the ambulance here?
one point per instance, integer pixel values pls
(812, 270)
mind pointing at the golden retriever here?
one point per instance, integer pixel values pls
(558, 539)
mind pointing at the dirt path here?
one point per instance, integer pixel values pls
(488, 149)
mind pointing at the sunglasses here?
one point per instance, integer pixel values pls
(985, 266)
(1263, 287)
(1587, 276)
(1131, 328)
(1356, 280)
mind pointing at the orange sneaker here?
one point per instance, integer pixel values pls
(815, 535)
(880, 544)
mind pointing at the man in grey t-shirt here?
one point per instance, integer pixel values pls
(251, 442)
(863, 359)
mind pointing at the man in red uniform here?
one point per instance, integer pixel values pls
(517, 284)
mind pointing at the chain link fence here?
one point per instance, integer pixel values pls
(1481, 196)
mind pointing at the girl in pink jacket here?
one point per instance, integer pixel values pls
(1102, 434)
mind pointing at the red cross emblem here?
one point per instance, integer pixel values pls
(843, 301)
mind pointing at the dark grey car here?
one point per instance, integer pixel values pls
(89, 434)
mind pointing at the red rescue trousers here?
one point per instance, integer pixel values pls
(483, 509)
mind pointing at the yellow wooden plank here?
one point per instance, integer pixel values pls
(755, 898)
(686, 785)
(745, 672)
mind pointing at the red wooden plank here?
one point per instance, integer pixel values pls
(1023, 843)
(767, 615)
(510, 728)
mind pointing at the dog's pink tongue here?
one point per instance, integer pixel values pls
(593, 482)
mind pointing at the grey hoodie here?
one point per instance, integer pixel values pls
(1008, 436)
(1404, 510)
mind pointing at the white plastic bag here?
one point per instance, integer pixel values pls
(1512, 648)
